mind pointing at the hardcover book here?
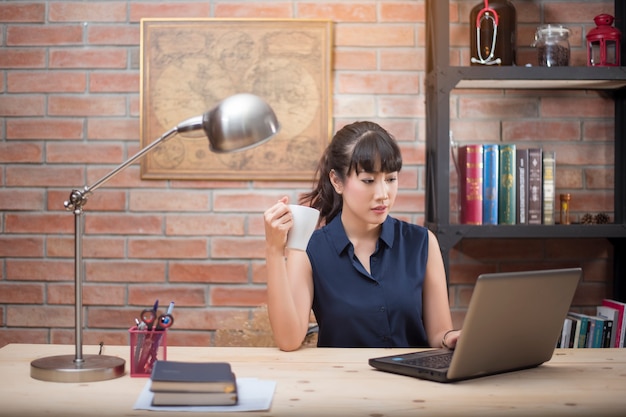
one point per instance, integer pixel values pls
(535, 185)
(620, 325)
(192, 377)
(506, 187)
(194, 398)
(491, 156)
(522, 186)
(549, 169)
(611, 314)
(471, 183)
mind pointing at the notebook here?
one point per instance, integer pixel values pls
(513, 322)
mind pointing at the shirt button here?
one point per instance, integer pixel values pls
(382, 309)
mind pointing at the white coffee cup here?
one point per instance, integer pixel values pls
(304, 223)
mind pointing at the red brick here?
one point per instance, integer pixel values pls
(93, 247)
(160, 200)
(21, 335)
(42, 175)
(67, 105)
(253, 10)
(205, 225)
(402, 11)
(46, 81)
(113, 82)
(404, 59)
(238, 296)
(208, 272)
(537, 130)
(407, 106)
(37, 35)
(113, 35)
(209, 319)
(42, 128)
(123, 224)
(599, 178)
(61, 152)
(142, 9)
(378, 83)
(354, 106)
(102, 200)
(93, 11)
(22, 105)
(573, 12)
(170, 248)
(12, 293)
(21, 247)
(16, 153)
(43, 316)
(38, 223)
(91, 294)
(230, 248)
(100, 57)
(124, 271)
(375, 36)
(39, 270)
(182, 295)
(337, 12)
(354, 59)
(581, 107)
(22, 58)
(25, 12)
(111, 128)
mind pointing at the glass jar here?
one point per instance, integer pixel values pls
(552, 43)
(493, 31)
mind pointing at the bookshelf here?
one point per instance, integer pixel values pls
(441, 79)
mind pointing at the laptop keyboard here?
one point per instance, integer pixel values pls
(439, 361)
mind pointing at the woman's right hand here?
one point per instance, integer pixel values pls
(278, 221)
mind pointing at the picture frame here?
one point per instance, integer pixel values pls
(189, 65)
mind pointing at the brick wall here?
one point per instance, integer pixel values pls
(70, 114)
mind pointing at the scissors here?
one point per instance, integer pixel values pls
(152, 319)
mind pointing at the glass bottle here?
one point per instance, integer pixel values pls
(565, 199)
(552, 43)
(493, 31)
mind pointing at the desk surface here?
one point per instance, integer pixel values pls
(322, 381)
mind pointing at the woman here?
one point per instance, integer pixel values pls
(371, 280)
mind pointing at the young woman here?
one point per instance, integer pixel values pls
(371, 280)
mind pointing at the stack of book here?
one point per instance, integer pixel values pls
(505, 184)
(604, 330)
(193, 383)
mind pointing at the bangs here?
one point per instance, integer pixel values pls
(376, 153)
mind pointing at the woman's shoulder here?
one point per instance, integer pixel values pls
(406, 229)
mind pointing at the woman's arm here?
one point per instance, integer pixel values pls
(437, 318)
(289, 282)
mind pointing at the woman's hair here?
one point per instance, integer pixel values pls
(358, 146)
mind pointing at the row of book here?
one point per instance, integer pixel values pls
(604, 330)
(506, 184)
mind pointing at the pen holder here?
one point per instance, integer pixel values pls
(146, 347)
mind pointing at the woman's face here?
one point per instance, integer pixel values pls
(369, 196)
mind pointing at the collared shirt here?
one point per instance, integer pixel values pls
(354, 308)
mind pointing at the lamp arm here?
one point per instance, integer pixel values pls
(79, 197)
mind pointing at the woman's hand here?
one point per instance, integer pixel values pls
(450, 339)
(278, 221)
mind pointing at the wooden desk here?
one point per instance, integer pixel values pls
(333, 382)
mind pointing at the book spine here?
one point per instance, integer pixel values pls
(549, 168)
(522, 186)
(490, 184)
(471, 177)
(535, 185)
(506, 185)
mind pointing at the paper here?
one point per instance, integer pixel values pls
(254, 395)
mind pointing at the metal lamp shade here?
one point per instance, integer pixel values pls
(239, 122)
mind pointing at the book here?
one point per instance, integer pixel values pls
(549, 169)
(583, 331)
(612, 314)
(566, 332)
(194, 398)
(535, 185)
(620, 326)
(471, 183)
(506, 185)
(522, 186)
(491, 157)
(192, 377)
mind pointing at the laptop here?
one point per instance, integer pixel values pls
(513, 322)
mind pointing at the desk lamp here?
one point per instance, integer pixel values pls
(239, 122)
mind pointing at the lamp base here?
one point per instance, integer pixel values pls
(65, 368)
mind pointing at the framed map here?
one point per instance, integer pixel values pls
(189, 65)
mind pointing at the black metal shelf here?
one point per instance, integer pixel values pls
(441, 79)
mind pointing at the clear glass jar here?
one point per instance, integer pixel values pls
(552, 43)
